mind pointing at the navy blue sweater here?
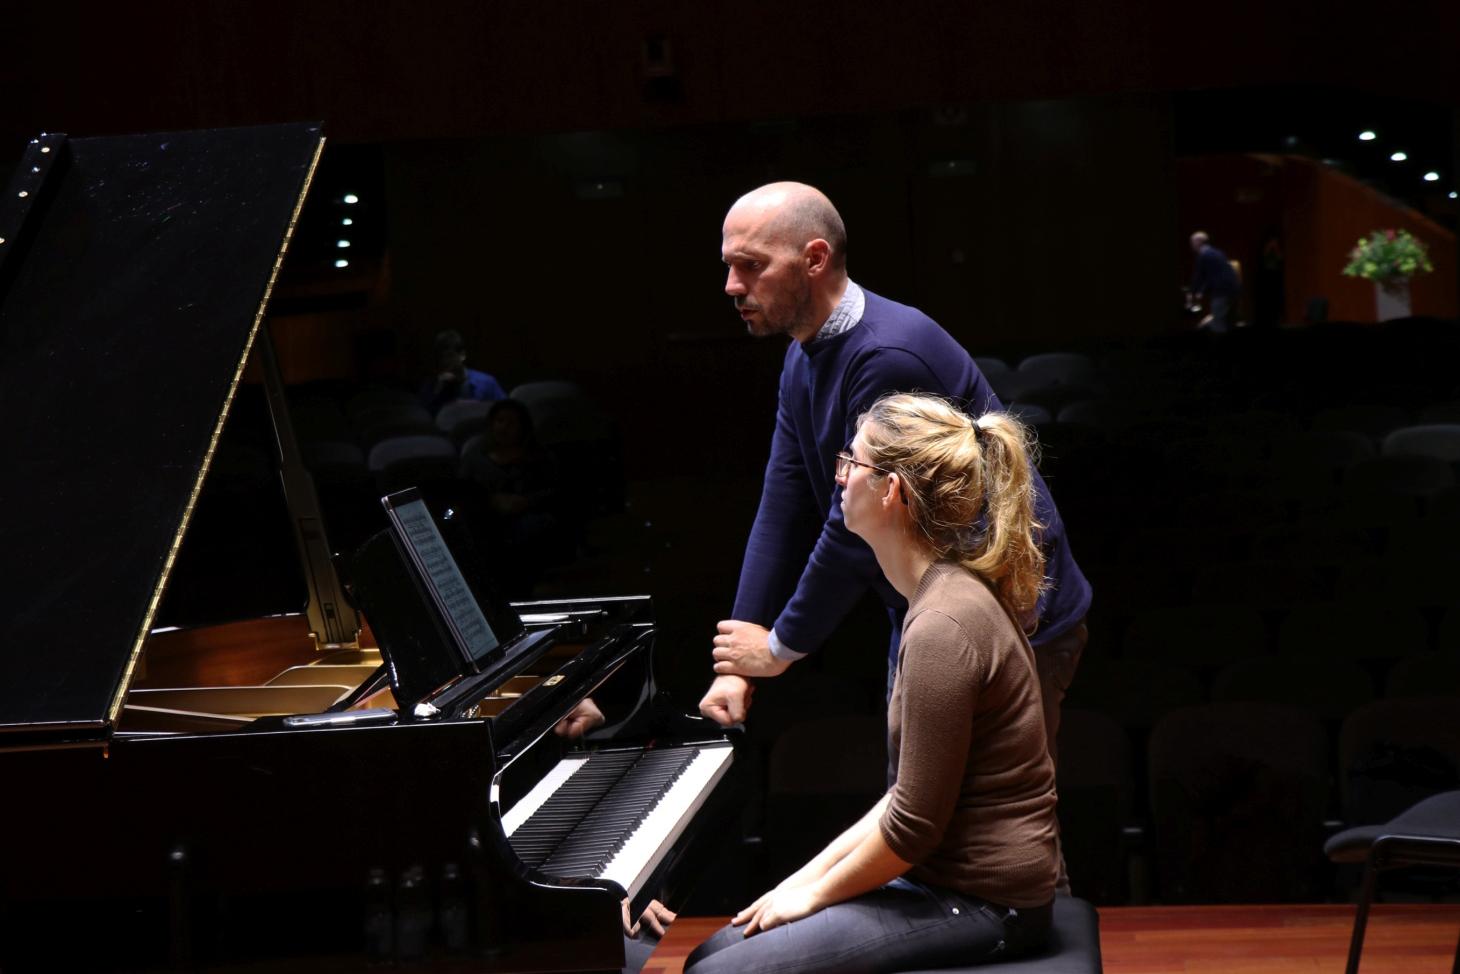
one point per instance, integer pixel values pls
(803, 570)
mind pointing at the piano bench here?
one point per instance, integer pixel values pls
(1073, 948)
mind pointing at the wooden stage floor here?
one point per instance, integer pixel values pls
(1417, 939)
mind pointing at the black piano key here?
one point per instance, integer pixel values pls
(600, 836)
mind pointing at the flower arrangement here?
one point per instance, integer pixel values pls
(1388, 256)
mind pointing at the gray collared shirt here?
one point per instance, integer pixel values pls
(846, 314)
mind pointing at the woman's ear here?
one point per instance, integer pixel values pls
(894, 493)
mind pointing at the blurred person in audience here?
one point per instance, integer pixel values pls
(522, 489)
(453, 380)
(957, 863)
(1215, 284)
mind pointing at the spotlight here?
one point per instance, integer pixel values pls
(1453, 194)
(1398, 156)
(347, 222)
(1367, 135)
(342, 263)
(342, 244)
(351, 198)
(1432, 177)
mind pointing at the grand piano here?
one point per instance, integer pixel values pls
(483, 786)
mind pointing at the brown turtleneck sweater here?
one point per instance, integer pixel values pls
(973, 804)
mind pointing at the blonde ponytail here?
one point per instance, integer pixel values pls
(970, 489)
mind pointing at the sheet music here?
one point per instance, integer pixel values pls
(446, 580)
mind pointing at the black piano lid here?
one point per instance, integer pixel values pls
(131, 307)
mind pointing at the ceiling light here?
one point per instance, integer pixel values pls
(1398, 156)
(351, 198)
(1367, 135)
(1432, 177)
(342, 243)
(347, 222)
(342, 263)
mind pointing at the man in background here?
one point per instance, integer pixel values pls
(453, 379)
(1215, 283)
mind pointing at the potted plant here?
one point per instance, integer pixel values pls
(1389, 258)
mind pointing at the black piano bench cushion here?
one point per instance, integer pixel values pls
(1073, 947)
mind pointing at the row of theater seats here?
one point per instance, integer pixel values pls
(1231, 801)
(1218, 802)
(384, 431)
(362, 443)
(1269, 523)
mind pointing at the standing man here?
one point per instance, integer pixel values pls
(1214, 281)
(786, 248)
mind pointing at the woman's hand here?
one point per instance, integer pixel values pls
(656, 917)
(781, 905)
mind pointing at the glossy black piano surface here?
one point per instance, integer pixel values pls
(240, 797)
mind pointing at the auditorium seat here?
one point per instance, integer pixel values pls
(1425, 676)
(381, 422)
(1316, 460)
(1375, 420)
(1238, 792)
(1136, 693)
(1059, 368)
(1028, 413)
(372, 397)
(1330, 688)
(1261, 584)
(463, 419)
(1441, 441)
(1392, 753)
(409, 461)
(1396, 477)
(1107, 415)
(990, 366)
(1096, 801)
(1353, 630)
(1447, 412)
(1195, 635)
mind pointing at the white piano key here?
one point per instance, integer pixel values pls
(541, 792)
(662, 827)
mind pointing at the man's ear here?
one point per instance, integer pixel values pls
(818, 256)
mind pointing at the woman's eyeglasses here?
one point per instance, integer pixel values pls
(845, 462)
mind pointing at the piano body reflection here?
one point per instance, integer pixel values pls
(491, 788)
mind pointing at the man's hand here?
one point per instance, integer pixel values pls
(580, 720)
(744, 649)
(781, 905)
(728, 700)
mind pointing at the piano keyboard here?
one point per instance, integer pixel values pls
(613, 814)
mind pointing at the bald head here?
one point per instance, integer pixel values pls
(786, 249)
(793, 215)
(1199, 240)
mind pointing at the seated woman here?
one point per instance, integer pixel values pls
(956, 864)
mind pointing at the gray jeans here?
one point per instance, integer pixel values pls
(901, 926)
